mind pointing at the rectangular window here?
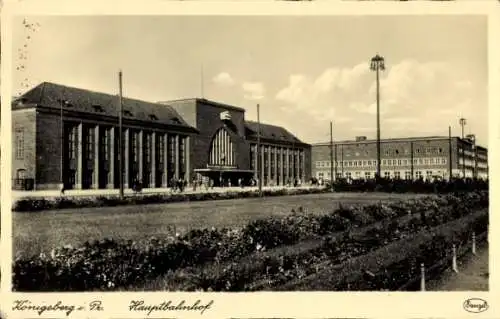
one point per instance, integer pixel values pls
(19, 143)
(368, 175)
(399, 162)
(160, 142)
(182, 155)
(147, 149)
(133, 145)
(104, 140)
(89, 143)
(384, 162)
(387, 174)
(443, 160)
(397, 175)
(418, 174)
(171, 153)
(71, 143)
(407, 175)
(421, 161)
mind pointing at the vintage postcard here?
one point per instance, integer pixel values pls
(181, 160)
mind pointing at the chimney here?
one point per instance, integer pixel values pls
(360, 138)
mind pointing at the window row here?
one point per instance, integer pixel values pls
(386, 162)
(394, 152)
(386, 174)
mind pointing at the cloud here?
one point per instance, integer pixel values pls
(223, 78)
(253, 90)
(413, 94)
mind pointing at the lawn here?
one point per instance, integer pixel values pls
(41, 231)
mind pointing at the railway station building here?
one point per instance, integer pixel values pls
(431, 157)
(70, 136)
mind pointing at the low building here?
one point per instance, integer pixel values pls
(406, 158)
(70, 136)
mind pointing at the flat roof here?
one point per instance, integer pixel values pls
(395, 139)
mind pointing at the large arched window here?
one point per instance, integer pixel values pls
(222, 150)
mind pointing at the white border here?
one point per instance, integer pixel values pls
(263, 305)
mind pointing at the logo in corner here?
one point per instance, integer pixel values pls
(475, 305)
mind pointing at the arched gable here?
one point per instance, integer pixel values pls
(222, 149)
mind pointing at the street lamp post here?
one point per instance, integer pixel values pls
(463, 122)
(378, 64)
(120, 131)
(62, 144)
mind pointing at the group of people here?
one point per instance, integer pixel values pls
(180, 184)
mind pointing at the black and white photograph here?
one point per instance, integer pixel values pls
(250, 153)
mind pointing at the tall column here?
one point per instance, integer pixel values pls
(152, 182)
(224, 146)
(141, 155)
(111, 158)
(262, 167)
(269, 165)
(303, 165)
(287, 166)
(79, 164)
(297, 164)
(165, 161)
(187, 153)
(126, 160)
(97, 168)
(231, 155)
(282, 166)
(177, 156)
(275, 166)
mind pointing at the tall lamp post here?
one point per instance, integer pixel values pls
(331, 156)
(463, 122)
(120, 131)
(378, 64)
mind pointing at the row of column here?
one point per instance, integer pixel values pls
(105, 139)
(281, 171)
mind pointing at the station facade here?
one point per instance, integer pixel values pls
(70, 136)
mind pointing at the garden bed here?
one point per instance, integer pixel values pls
(41, 203)
(397, 263)
(338, 236)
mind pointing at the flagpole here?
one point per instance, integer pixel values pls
(331, 155)
(120, 125)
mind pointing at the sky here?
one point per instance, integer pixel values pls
(303, 71)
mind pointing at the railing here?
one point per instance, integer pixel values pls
(443, 264)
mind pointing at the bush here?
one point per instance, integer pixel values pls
(108, 264)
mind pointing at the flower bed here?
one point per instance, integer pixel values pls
(395, 264)
(265, 271)
(38, 204)
(109, 264)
